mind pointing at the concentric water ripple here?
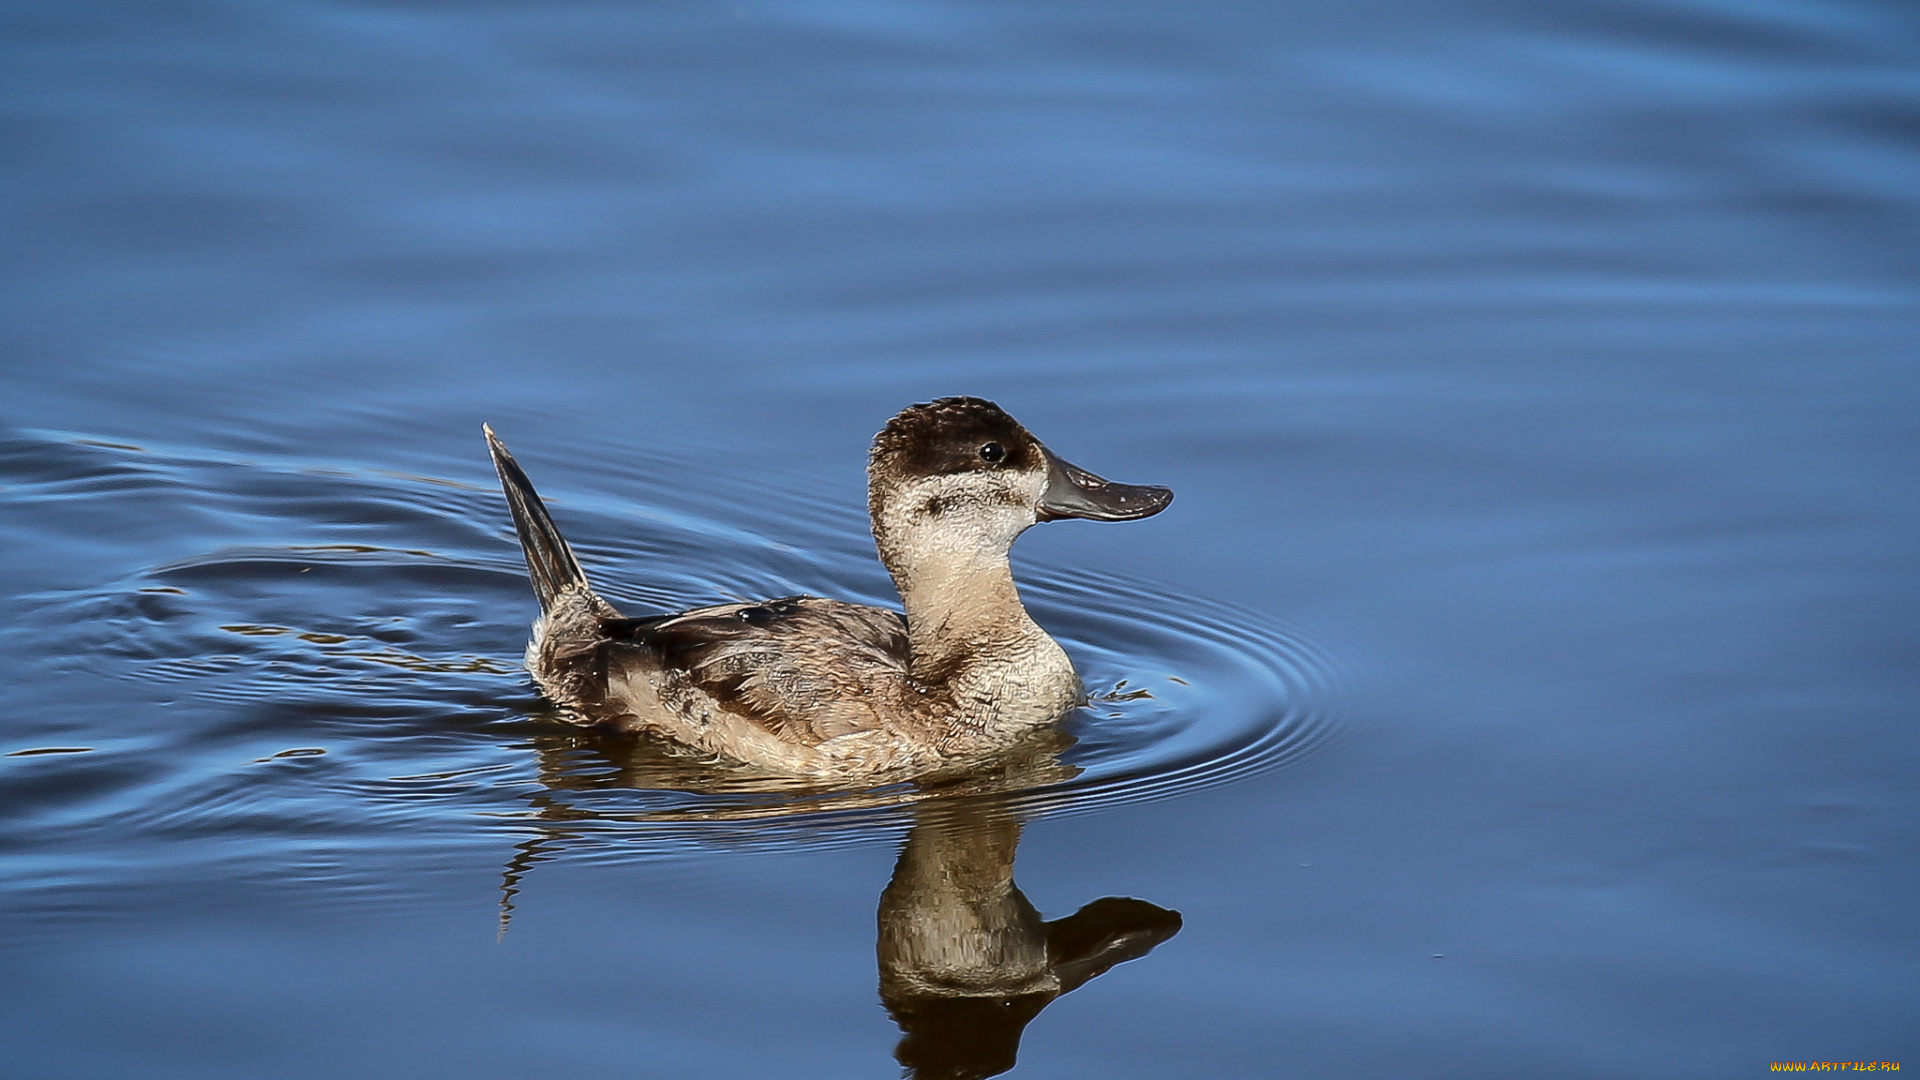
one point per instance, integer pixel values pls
(346, 670)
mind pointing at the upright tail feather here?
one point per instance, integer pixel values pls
(550, 562)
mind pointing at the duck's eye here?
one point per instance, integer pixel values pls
(992, 453)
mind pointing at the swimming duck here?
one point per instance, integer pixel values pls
(829, 690)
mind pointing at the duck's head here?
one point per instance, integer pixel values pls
(959, 476)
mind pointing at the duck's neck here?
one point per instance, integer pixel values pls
(961, 608)
(970, 637)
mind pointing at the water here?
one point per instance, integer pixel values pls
(1528, 653)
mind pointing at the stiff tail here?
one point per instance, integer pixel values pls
(550, 562)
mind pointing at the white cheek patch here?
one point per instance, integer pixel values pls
(1032, 486)
(969, 512)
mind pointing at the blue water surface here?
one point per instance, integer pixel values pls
(1529, 654)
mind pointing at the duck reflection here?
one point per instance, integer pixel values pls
(966, 961)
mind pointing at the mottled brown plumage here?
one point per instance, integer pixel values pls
(826, 689)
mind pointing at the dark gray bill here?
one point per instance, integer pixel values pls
(1073, 492)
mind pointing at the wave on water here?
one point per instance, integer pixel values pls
(317, 675)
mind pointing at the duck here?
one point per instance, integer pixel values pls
(827, 690)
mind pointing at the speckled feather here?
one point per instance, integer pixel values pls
(803, 668)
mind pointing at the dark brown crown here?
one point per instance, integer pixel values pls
(946, 436)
